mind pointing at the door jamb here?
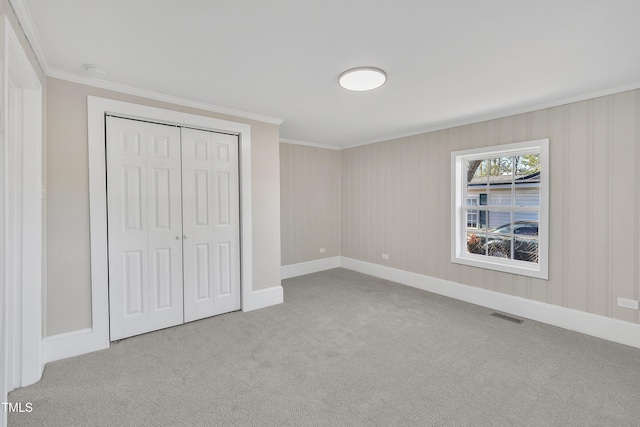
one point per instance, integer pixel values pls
(21, 217)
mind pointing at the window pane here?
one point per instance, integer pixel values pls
(483, 219)
(476, 220)
(500, 196)
(476, 172)
(472, 219)
(527, 196)
(500, 167)
(500, 181)
(476, 181)
(476, 243)
(527, 165)
(525, 223)
(498, 246)
(525, 249)
(499, 219)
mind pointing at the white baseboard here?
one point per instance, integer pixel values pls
(300, 269)
(85, 341)
(71, 344)
(590, 324)
(3, 414)
(263, 298)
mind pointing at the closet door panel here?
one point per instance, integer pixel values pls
(226, 235)
(211, 223)
(197, 213)
(144, 219)
(165, 225)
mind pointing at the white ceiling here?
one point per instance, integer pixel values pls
(448, 61)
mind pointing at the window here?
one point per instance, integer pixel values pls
(500, 208)
(472, 215)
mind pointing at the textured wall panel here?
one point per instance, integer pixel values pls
(309, 203)
(396, 200)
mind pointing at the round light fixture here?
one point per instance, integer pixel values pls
(362, 78)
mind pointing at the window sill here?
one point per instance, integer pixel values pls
(521, 268)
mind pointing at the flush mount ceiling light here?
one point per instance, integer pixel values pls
(362, 78)
(95, 70)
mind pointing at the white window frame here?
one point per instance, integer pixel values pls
(459, 253)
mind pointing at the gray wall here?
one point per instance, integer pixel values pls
(396, 199)
(68, 302)
(310, 203)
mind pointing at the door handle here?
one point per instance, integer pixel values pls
(185, 236)
(177, 237)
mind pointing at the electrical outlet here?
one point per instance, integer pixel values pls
(323, 250)
(385, 256)
(627, 303)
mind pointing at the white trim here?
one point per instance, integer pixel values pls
(246, 221)
(32, 214)
(575, 320)
(22, 218)
(26, 21)
(5, 260)
(579, 321)
(70, 344)
(310, 144)
(263, 298)
(23, 14)
(144, 93)
(97, 337)
(24, 17)
(308, 267)
(4, 300)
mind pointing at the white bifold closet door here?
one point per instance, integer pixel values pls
(211, 216)
(173, 225)
(144, 227)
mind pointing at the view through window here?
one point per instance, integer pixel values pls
(508, 219)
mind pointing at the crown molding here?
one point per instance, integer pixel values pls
(28, 27)
(26, 22)
(24, 18)
(502, 114)
(310, 144)
(130, 90)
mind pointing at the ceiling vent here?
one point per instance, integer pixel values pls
(95, 71)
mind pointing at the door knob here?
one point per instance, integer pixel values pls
(184, 236)
(177, 237)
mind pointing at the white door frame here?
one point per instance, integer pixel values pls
(97, 336)
(21, 217)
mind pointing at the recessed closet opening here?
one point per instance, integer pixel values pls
(173, 214)
(96, 336)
